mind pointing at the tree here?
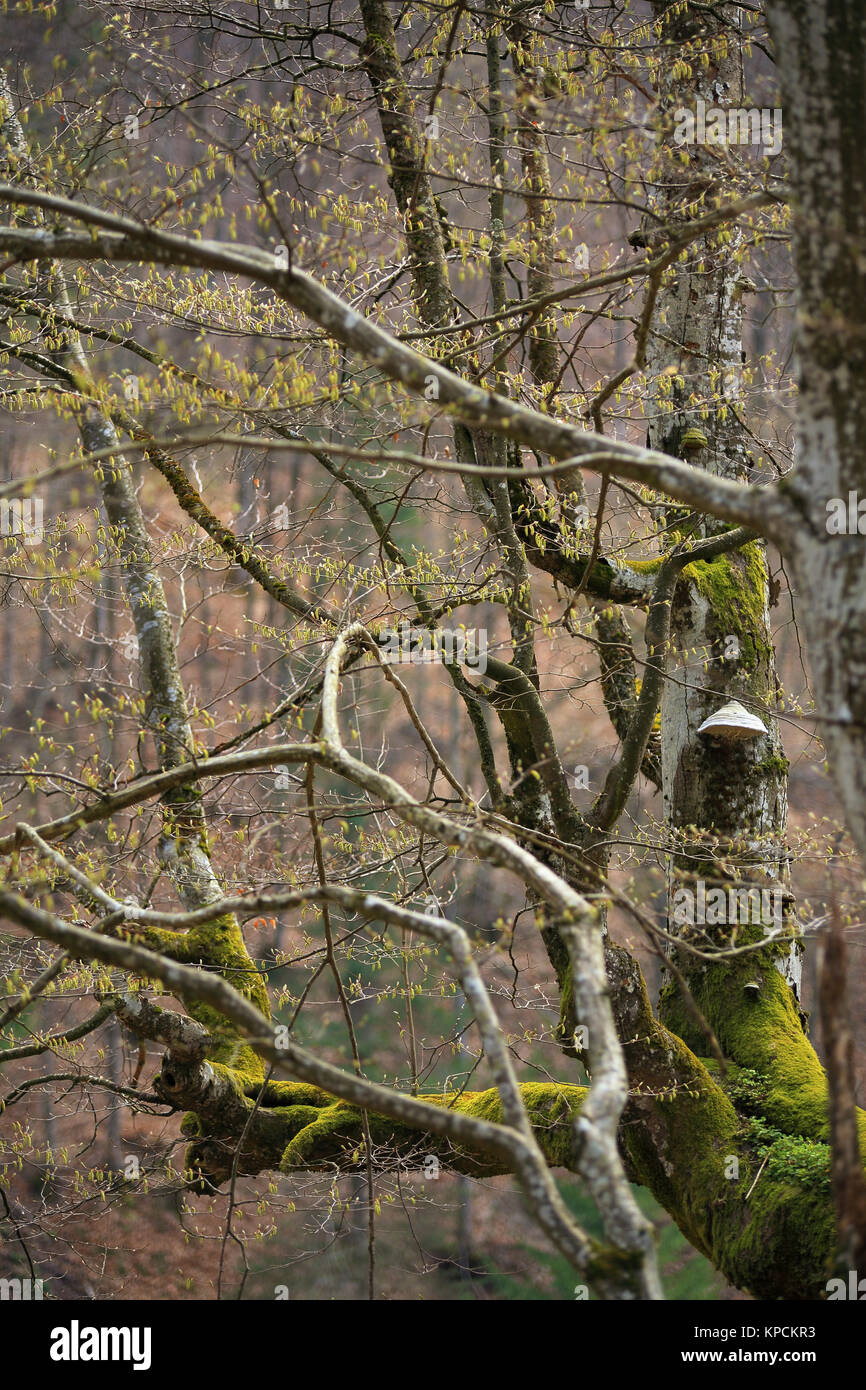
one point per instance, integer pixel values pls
(375, 338)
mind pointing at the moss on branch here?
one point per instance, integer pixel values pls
(334, 1133)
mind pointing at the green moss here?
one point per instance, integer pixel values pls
(220, 946)
(761, 1030)
(735, 587)
(551, 1111)
(291, 1093)
(783, 1244)
(682, 1150)
(773, 764)
(771, 1232)
(336, 1129)
(645, 566)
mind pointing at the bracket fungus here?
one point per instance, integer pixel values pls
(693, 441)
(733, 721)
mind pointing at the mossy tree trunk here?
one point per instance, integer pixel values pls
(725, 799)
